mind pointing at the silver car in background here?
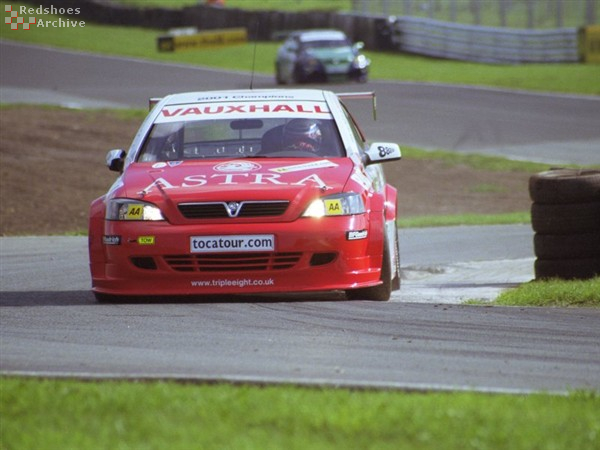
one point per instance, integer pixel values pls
(318, 56)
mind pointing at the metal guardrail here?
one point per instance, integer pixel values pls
(418, 35)
(484, 44)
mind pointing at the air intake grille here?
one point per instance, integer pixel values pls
(232, 262)
(220, 210)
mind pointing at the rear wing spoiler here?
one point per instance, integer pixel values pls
(153, 101)
(342, 96)
(360, 96)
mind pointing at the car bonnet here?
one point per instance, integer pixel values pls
(290, 179)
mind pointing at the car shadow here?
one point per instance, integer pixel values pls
(86, 298)
(45, 298)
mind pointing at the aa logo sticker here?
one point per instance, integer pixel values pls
(135, 211)
(333, 207)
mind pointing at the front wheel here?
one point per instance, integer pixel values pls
(108, 298)
(382, 292)
(297, 77)
(396, 280)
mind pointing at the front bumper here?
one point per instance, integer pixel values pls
(318, 73)
(154, 258)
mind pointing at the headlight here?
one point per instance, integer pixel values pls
(128, 209)
(361, 62)
(336, 205)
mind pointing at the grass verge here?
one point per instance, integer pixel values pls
(551, 293)
(141, 43)
(464, 219)
(47, 414)
(476, 161)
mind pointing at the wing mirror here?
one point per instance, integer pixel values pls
(380, 152)
(115, 160)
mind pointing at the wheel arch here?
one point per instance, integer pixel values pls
(391, 203)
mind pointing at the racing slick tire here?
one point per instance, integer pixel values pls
(559, 186)
(567, 269)
(382, 292)
(396, 281)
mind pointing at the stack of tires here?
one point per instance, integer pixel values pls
(565, 216)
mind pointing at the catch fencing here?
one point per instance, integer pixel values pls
(532, 14)
(484, 44)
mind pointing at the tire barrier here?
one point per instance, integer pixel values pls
(565, 216)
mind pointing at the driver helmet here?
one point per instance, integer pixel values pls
(302, 134)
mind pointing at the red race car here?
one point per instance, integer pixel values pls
(247, 191)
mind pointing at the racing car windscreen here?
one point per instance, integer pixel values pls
(329, 43)
(258, 137)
